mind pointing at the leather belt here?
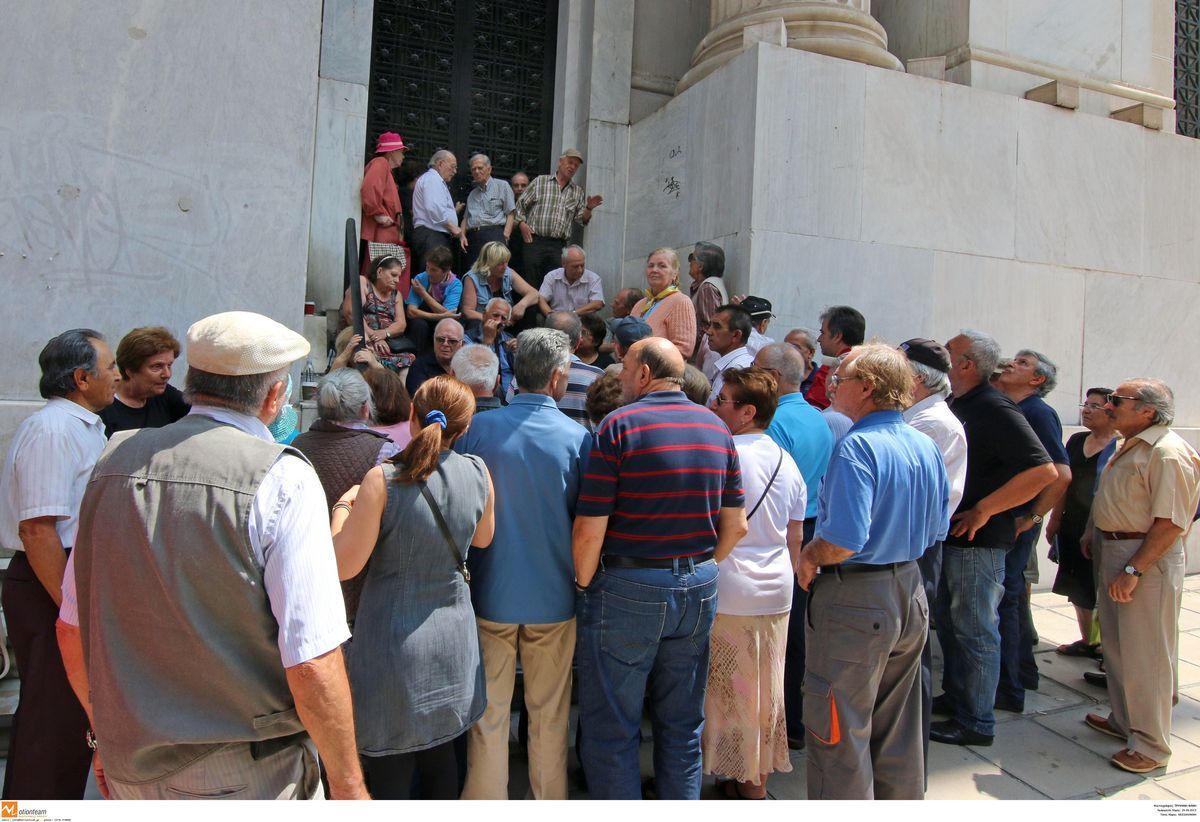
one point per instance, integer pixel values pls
(1122, 535)
(616, 561)
(844, 568)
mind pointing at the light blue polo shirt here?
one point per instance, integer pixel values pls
(536, 456)
(886, 495)
(799, 429)
(453, 294)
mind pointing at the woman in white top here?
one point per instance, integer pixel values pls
(745, 728)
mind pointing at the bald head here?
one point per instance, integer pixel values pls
(661, 357)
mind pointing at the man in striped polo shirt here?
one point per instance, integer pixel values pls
(660, 504)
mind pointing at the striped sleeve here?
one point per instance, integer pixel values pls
(598, 492)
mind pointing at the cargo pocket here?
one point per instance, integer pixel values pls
(851, 634)
(629, 629)
(821, 710)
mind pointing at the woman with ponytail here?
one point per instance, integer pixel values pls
(414, 661)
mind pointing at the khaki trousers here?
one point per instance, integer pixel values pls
(1141, 645)
(546, 652)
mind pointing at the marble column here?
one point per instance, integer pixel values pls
(837, 28)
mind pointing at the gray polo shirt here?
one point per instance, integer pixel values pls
(489, 205)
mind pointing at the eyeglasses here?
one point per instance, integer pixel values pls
(837, 380)
(1115, 399)
(447, 341)
(1092, 406)
(726, 401)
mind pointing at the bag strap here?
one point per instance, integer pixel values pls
(459, 562)
(770, 482)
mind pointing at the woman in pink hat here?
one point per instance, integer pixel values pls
(382, 215)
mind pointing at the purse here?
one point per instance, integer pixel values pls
(377, 250)
(459, 561)
(402, 345)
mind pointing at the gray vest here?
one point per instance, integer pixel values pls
(178, 635)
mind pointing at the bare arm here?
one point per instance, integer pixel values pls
(45, 553)
(322, 694)
(1021, 488)
(587, 537)
(529, 296)
(470, 298)
(436, 311)
(731, 527)
(355, 533)
(70, 645)
(486, 528)
(508, 224)
(795, 541)
(590, 308)
(1048, 497)
(817, 553)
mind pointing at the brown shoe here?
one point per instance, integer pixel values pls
(1134, 762)
(1101, 724)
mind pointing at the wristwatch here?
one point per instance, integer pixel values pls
(1037, 518)
(1129, 569)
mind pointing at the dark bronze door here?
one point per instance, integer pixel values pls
(467, 76)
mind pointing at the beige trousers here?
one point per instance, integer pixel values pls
(546, 652)
(1141, 645)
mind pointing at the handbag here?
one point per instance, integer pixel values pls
(459, 561)
(402, 345)
(378, 250)
(770, 482)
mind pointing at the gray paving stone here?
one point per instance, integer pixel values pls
(1184, 785)
(962, 773)
(1184, 754)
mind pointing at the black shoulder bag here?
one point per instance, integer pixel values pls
(459, 562)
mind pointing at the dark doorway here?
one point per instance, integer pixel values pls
(467, 76)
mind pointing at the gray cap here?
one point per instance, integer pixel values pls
(629, 330)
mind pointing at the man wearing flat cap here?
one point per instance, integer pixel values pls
(546, 213)
(210, 619)
(760, 320)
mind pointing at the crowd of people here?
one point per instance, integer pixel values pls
(745, 542)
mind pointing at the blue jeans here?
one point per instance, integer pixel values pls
(644, 632)
(968, 630)
(1018, 668)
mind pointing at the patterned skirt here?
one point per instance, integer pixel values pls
(745, 728)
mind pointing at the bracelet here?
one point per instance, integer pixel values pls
(345, 506)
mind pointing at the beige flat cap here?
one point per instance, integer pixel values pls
(236, 343)
(573, 152)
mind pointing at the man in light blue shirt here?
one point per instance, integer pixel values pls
(885, 498)
(435, 220)
(523, 587)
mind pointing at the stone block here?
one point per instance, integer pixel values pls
(772, 32)
(1142, 114)
(346, 40)
(1055, 93)
(932, 67)
(1172, 223)
(966, 773)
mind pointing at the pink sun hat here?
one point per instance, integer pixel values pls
(389, 141)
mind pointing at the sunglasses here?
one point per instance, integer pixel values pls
(447, 340)
(1092, 406)
(726, 401)
(1115, 399)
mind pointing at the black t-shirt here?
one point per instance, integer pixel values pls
(424, 368)
(158, 411)
(1000, 445)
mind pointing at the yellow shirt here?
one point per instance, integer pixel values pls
(1155, 474)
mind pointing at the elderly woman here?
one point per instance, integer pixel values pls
(382, 214)
(145, 397)
(383, 325)
(706, 266)
(415, 665)
(668, 310)
(491, 277)
(745, 728)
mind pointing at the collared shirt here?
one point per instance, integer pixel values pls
(46, 471)
(1155, 474)
(424, 367)
(567, 296)
(550, 208)
(737, 358)
(536, 457)
(500, 348)
(433, 207)
(799, 428)
(574, 401)
(885, 494)
(933, 418)
(289, 538)
(489, 205)
(757, 342)
(486, 404)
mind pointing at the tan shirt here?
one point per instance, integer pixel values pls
(1154, 474)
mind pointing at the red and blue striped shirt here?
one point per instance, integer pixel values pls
(661, 469)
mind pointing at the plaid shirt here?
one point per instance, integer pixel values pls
(550, 209)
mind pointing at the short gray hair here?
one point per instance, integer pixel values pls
(568, 323)
(477, 366)
(487, 161)
(540, 352)
(446, 320)
(711, 258)
(1045, 368)
(983, 351)
(61, 356)
(341, 395)
(784, 358)
(937, 382)
(244, 394)
(567, 249)
(500, 300)
(809, 335)
(1159, 396)
(439, 155)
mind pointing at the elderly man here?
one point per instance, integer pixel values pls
(477, 366)
(1006, 466)
(489, 213)
(44, 477)
(212, 667)
(727, 333)
(523, 587)
(804, 341)
(491, 333)
(760, 317)
(546, 213)
(929, 362)
(661, 503)
(573, 287)
(447, 339)
(1148, 497)
(883, 501)
(1025, 379)
(706, 266)
(145, 397)
(435, 220)
(518, 182)
(841, 328)
(798, 428)
(573, 402)
(626, 331)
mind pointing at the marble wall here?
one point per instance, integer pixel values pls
(932, 206)
(155, 169)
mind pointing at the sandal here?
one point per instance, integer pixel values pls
(1080, 647)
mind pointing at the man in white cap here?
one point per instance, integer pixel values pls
(210, 619)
